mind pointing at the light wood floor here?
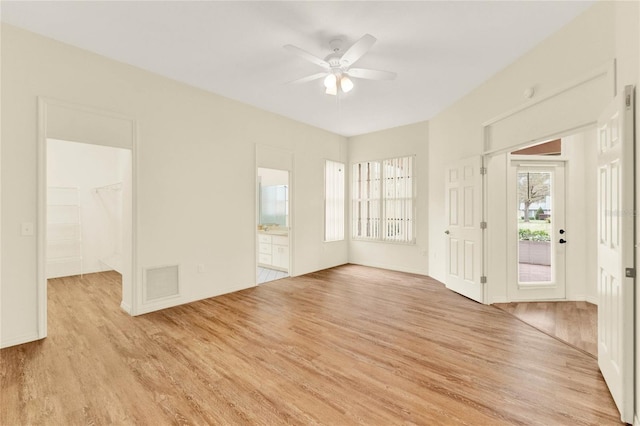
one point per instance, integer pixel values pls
(349, 345)
(575, 323)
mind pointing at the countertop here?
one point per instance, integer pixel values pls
(276, 231)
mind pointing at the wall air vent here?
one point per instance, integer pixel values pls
(161, 282)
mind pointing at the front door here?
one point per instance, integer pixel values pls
(616, 250)
(463, 213)
(538, 236)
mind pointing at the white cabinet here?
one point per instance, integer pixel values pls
(280, 252)
(273, 251)
(264, 250)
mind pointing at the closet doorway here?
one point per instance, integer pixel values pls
(88, 213)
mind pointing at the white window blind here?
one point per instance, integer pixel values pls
(334, 201)
(366, 200)
(384, 200)
(398, 199)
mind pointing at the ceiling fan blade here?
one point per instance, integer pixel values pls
(371, 74)
(308, 78)
(306, 55)
(358, 49)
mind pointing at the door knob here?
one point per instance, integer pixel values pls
(447, 232)
(562, 241)
(561, 231)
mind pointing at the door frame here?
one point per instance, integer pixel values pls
(257, 220)
(520, 127)
(540, 292)
(43, 130)
(272, 157)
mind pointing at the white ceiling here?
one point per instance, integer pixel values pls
(441, 50)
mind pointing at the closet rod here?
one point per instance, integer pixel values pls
(112, 187)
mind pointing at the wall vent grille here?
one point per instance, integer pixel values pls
(161, 282)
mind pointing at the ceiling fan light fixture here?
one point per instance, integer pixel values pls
(346, 84)
(330, 81)
(337, 66)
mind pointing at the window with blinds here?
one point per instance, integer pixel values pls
(366, 200)
(334, 173)
(384, 200)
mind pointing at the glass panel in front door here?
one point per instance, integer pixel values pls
(535, 214)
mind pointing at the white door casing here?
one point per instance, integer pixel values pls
(464, 234)
(555, 289)
(616, 270)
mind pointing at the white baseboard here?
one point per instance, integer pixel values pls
(578, 298)
(636, 420)
(391, 267)
(19, 340)
(145, 308)
(594, 300)
(583, 298)
(125, 307)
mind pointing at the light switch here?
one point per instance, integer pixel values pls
(26, 229)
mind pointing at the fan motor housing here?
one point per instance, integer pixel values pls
(333, 60)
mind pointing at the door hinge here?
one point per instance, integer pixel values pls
(483, 225)
(483, 279)
(627, 101)
(483, 170)
(630, 272)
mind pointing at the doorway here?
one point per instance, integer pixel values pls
(530, 281)
(553, 255)
(273, 225)
(87, 211)
(537, 231)
(90, 126)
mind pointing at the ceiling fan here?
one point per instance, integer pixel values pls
(337, 66)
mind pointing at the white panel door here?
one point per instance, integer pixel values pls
(615, 250)
(463, 233)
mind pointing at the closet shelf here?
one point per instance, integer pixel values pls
(65, 259)
(64, 246)
(64, 240)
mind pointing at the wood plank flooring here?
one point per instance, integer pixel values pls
(348, 345)
(575, 323)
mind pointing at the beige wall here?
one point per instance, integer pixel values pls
(391, 143)
(196, 171)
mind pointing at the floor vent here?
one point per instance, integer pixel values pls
(161, 282)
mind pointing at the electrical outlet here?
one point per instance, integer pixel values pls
(200, 268)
